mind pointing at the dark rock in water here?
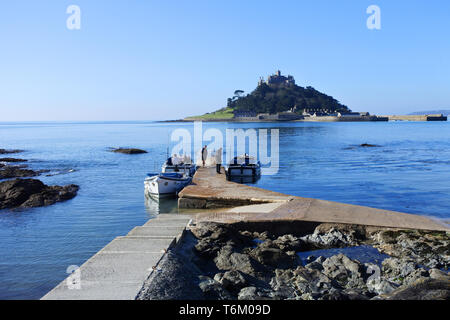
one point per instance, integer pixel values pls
(12, 160)
(129, 150)
(26, 193)
(5, 151)
(8, 172)
(368, 145)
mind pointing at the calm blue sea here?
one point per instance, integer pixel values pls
(409, 172)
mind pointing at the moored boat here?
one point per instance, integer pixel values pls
(243, 166)
(179, 165)
(165, 184)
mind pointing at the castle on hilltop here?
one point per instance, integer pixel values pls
(277, 80)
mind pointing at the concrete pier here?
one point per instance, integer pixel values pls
(427, 117)
(250, 204)
(118, 271)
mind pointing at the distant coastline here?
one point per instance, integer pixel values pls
(369, 118)
(280, 99)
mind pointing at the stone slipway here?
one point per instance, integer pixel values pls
(118, 271)
(211, 190)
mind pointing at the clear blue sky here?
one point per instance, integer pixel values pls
(145, 60)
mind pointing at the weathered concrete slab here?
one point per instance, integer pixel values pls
(172, 216)
(119, 270)
(212, 190)
(166, 222)
(261, 205)
(156, 231)
(131, 244)
(313, 210)
(257, 208)
(109, 276)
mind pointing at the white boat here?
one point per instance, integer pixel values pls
(165, 184)
(179, 165)
(243, 166)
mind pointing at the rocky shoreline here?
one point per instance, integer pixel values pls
(220, 261)
(26, 193)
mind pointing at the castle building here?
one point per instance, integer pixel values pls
(278, 80)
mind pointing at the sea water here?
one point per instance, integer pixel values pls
(408, 172)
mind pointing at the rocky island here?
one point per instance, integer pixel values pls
(279, 98)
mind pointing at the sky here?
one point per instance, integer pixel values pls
(155, 60)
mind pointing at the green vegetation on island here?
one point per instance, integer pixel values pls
(273, 99)
(224, 113)
(275, 95)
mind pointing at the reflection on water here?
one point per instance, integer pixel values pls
(156, 205)
(247, 180)
(364, 254)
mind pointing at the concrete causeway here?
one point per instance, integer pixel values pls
(118, 271)
(250, 204)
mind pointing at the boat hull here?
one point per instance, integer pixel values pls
(188, 169)
(161, 186)
(243, 171)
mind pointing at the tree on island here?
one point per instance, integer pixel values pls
(279, 98)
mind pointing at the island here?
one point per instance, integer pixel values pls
(279, 98)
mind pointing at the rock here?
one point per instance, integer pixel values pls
(213, 290)
(215, 231)
(397, 269)
(348, 273)
(429, 249)
(8, 172)
(12, 160)
(332, 239)
(5, 151)
(368, 145)
(380, 286)
(213, 236)
(33, 193)
(274, 257)
(128, 151)
(207, 248)
(228, 260)
(356, 294)
(232, 280)
(302, 280)
(288, 243)
(314, 265)
(422, 289)
(417, 274)
(439, 275)
(253, 293)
